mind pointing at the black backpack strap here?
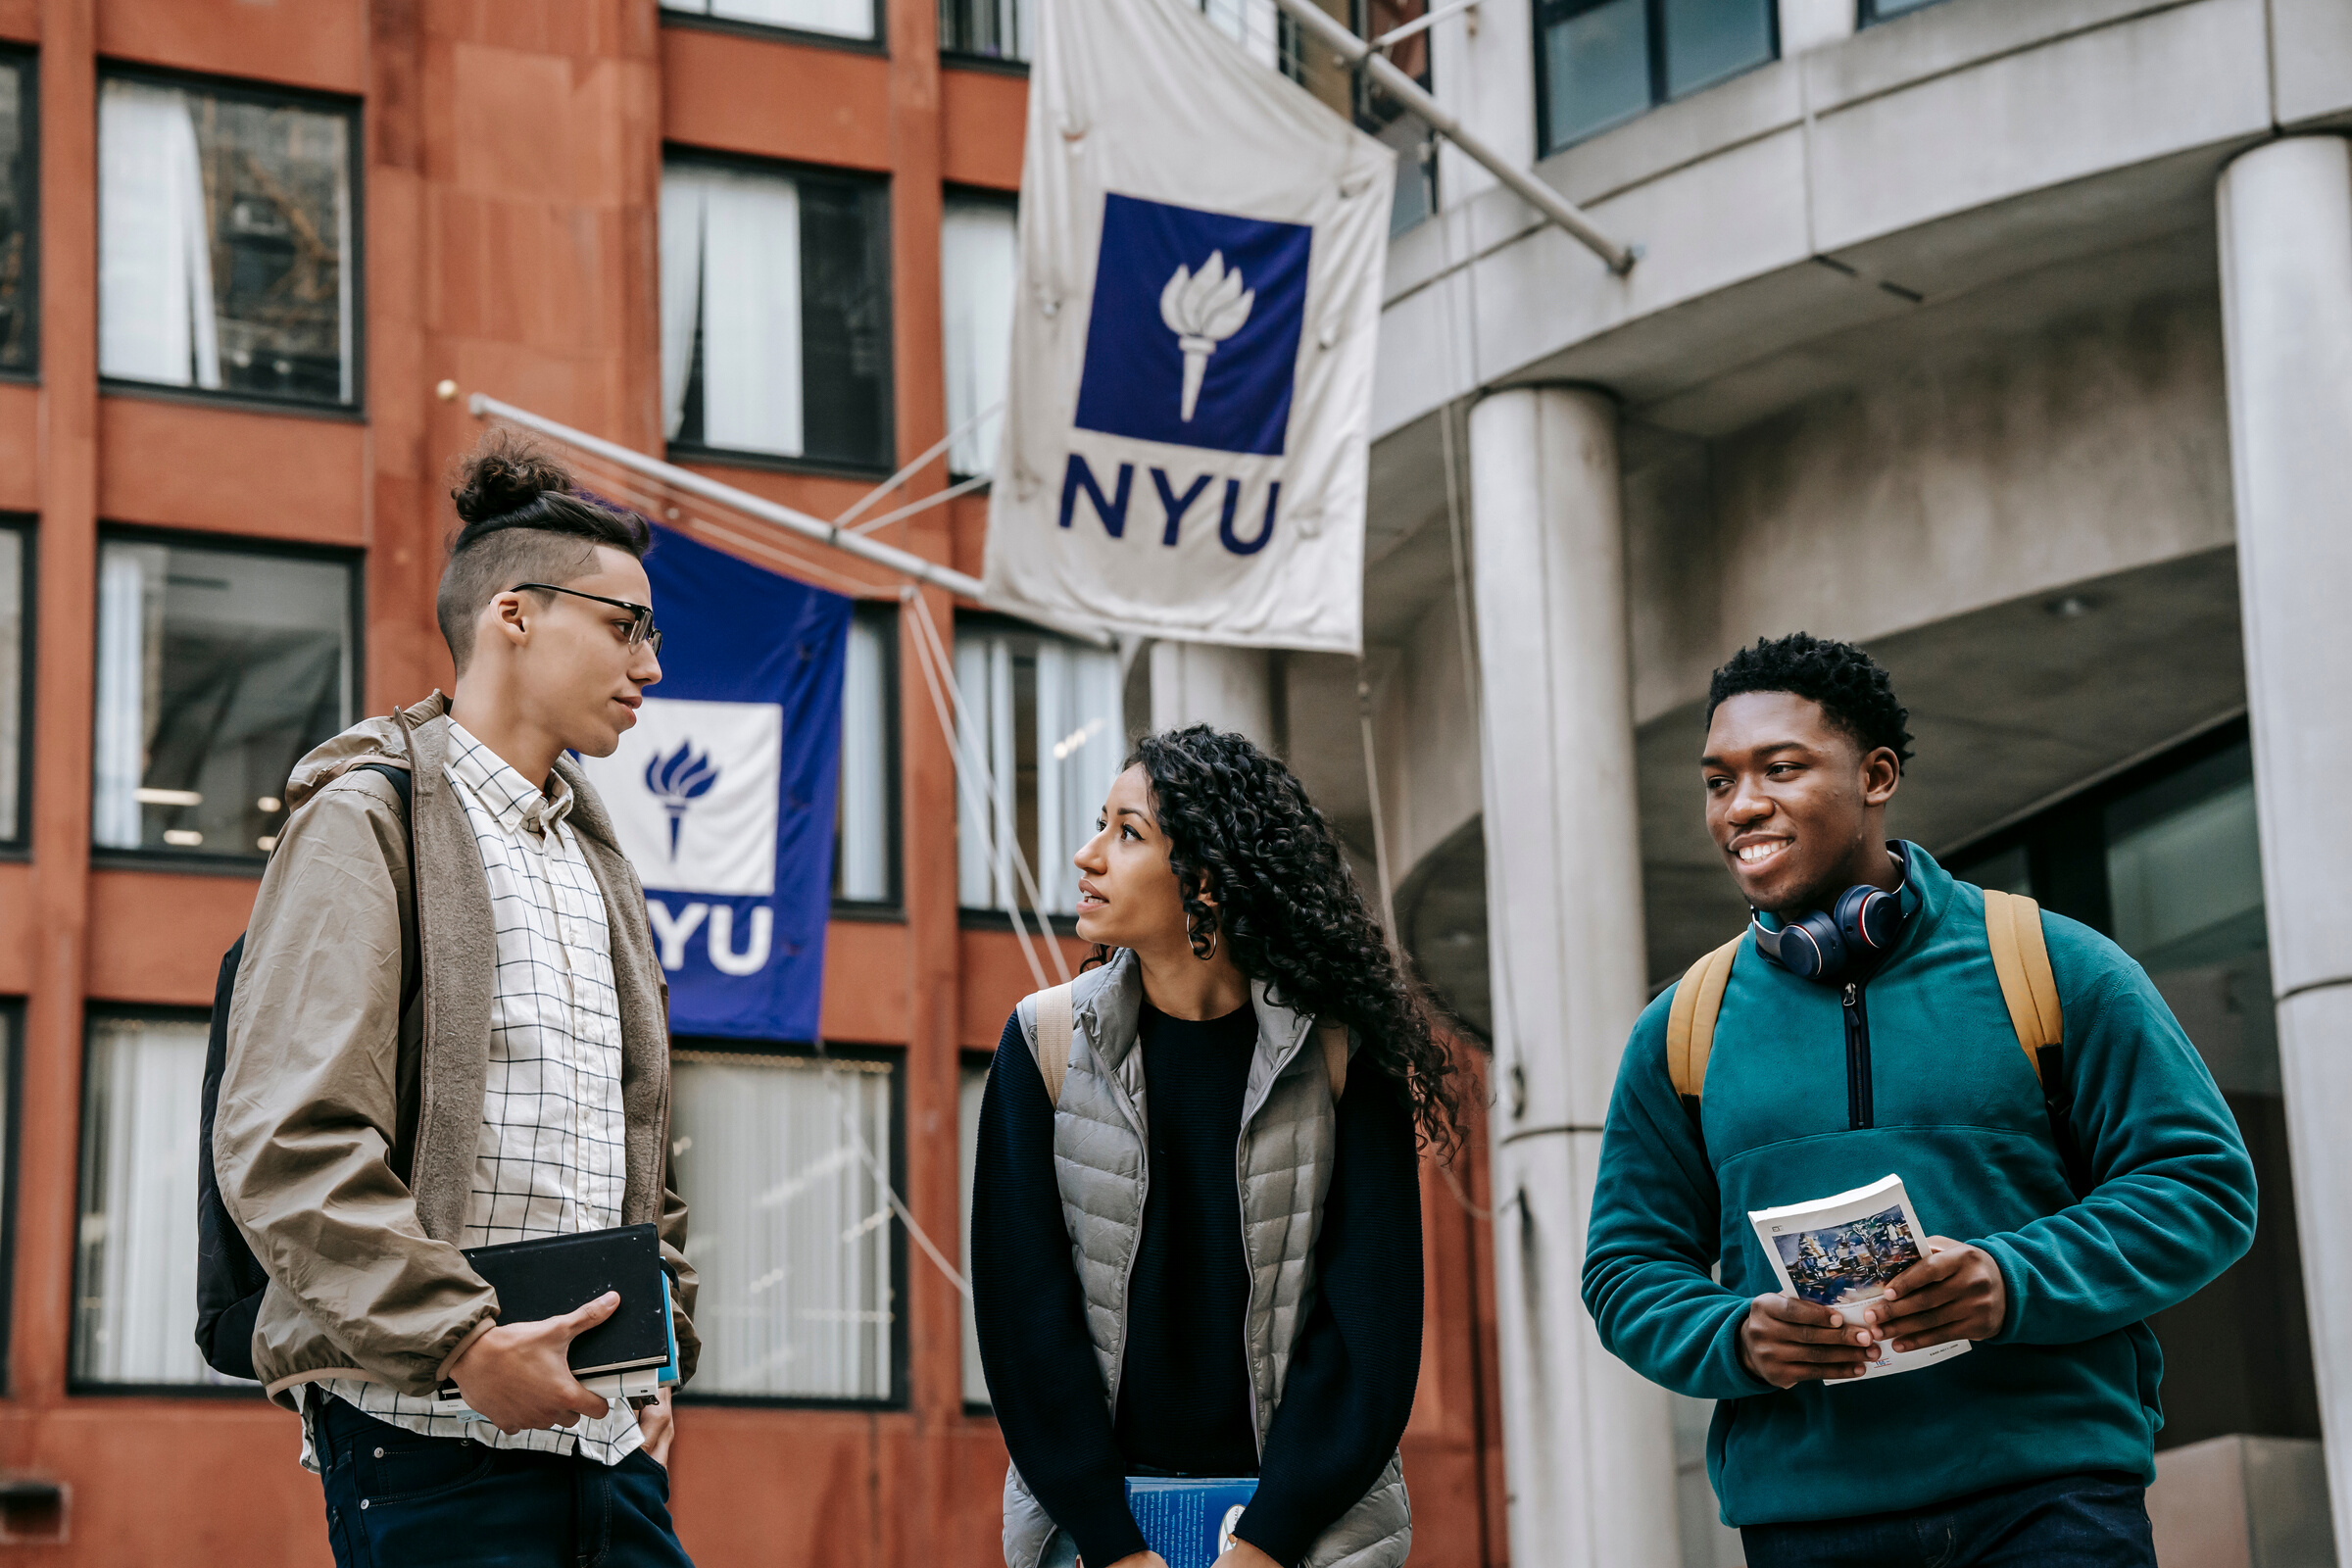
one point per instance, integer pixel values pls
(412, 974)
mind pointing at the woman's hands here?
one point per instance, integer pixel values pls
(1242, 1554)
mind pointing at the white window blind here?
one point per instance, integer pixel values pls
(1050, 728)
(977, 244)
(224, 246)
(134, 1297)
(862, 825)
(791, 1234)
(970, 1087)
(847, 19)
(731, 275)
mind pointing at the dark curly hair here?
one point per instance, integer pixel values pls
(1852, 691)
(1240, 828)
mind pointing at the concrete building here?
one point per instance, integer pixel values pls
(2012, 339)
(240, 244)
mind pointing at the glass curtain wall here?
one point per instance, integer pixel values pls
(134, 1291)
(792, 1233)
(1602, 62)
(840, 19)
(1049, 723)
(217, 669)
(776, 313)
(225, 256)
(2166, 861)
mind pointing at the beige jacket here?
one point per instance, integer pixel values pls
(345, 1137)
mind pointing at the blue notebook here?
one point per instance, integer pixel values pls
(1189, 1520)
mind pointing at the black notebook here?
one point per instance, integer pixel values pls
(549, 1276)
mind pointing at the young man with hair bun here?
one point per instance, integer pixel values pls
(1863, 1031)
(450, 1031)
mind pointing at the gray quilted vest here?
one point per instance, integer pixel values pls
(1288, 1137)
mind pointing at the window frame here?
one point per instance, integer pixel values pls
(1653, 15)
(891, 908)
(991, 917)
(968, 1059)
(29, 59)
(966, 59)
(76, 1385)
(876, 43)
(11, 1127)
(896, 1057)
(19, 847)
(245, 90)
(686, 453)
(203, 862)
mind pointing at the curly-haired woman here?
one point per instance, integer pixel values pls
(1202, 1255)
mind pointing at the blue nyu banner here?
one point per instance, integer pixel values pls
(722, 794)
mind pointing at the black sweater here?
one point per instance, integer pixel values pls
(1185, 1401)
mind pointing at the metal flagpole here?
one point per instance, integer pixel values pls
(1394, 82)
(903, 561)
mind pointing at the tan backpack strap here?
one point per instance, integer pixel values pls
(2021, 957)
(1335, 1055)
(1052, 1047)
(1691, 1021)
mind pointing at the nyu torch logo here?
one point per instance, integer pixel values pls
(1203, 308)
(677, 781)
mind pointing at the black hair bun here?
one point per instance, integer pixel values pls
(503, 475)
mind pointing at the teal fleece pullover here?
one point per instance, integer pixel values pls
(1952, 1106)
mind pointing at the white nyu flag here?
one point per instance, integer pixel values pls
(1201, 245)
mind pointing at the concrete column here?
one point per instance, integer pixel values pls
(2286, 221)
(1587, 1444)
(1205, 683)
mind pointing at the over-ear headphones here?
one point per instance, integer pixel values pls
(1825, 945)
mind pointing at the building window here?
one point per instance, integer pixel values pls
(792, 1233)
(866, 820)
(995, 29)
(836, 18)
(1050, 728)
(970, 1087)
(15, 677)
(776, 313)
(134, 1291)
(979, 250)
(19, 252)
(226, 259)
(1602, 62)
(217, 669)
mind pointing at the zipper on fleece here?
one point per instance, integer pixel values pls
(1857, 1059)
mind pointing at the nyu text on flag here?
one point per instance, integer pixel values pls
(1198, 303)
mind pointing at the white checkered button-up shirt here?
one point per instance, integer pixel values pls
(549, 1159)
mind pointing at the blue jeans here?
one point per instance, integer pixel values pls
(396, 1499)
(2077, 1521)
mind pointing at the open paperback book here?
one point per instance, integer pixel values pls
(1840, 1252)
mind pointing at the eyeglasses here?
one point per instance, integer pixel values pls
(641, 624)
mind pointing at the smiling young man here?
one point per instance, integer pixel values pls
(1897, 1055)
(450, 1031)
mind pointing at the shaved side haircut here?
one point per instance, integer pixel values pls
(523, 520)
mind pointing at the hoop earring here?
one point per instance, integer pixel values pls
(1214, 932)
